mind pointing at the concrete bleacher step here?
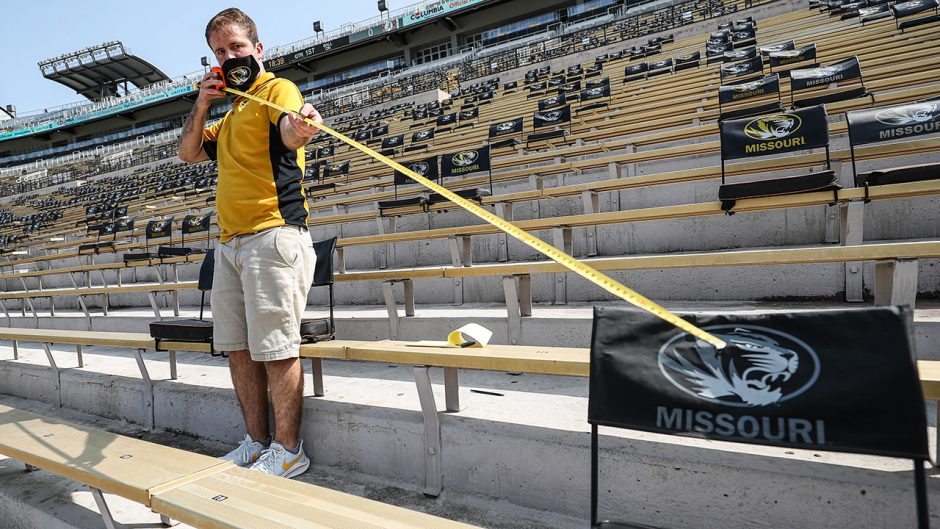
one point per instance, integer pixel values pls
(32, 500)
(520, 438)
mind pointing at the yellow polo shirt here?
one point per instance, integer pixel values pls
(259, 178)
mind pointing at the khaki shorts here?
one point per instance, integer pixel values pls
(259, 292)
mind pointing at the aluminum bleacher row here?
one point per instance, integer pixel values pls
(590, 154)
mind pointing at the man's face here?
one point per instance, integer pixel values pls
(232, 41)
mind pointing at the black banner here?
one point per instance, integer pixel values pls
(595, 83)
(157, 229)
(598, 92)
(333, 169)
(108, 228)
(552, 102)
(426, 168)
(636, 69)
(895, 122)
(506, 127)
(718, 38)
(575, 70)
(690, 58)
(739, 55)
(363, 135)
(551, 117)
(597, 68)
(312, 172)
(743, 34)
(423, 135)
(572, 87)
(469, 114)
(811, 77)
(555, 83)
(466, 162)
(485, 96)
(835, 380)
(907, 9)
(865, 12)
(797, 130)
(536, 87)
(665, 64)
(730, 93)
(393, 141)
(195, 223)
(324, 152)
(125, 225)
(720, 49)
(783, 58)
(765, 51)
(511, 86)
(380, 131)
(447, 119)
(750, 66)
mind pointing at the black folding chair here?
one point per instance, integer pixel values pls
(314, 330)
(833, 380)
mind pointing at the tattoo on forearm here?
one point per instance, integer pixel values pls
(189, 125)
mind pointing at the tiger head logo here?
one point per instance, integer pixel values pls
(746, 87)
(823, 71)
(239, 75)
(760, 366)
(773, 127)
(195, 222)
(465, 158)
(909, 114)
(420, 167)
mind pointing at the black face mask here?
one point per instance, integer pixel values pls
(240, 72)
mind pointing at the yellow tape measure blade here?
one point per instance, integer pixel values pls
(603, 281)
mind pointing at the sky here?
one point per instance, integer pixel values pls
(167, 33)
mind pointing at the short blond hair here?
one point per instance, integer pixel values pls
(236, 17)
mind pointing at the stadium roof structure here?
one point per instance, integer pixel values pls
(99, 71)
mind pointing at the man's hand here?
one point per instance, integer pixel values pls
(209, 90)
(295, 131)
(300, 128)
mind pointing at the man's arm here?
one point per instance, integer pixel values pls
(295, 132)
(190, 149)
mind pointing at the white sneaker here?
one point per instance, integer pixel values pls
(248, 452)
(277, 461)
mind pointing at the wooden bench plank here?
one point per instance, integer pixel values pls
(85, 291)
(929, 371)
(70, 337)
(569, 361)
(110, 462)
(241, 499)
(777, 256)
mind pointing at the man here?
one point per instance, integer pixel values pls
(264, 260)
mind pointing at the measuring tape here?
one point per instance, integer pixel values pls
(607, 283)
